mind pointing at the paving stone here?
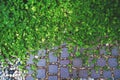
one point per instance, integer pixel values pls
(64, 53)
(107, 74)
(116, 73)
(28, 67)
(101, 62)
(29, 78)
(112, 62)
(41, 73)
(64, 72)
(74, 72)
(102, 51)
(52, 58)
(53, 69)
(41, 53)
(83, 73)
(77, 62)
(52, 78)
(115, 51)
(41, 62)
(30, 61)
(29, 70)
(64, 62)
(95, 74)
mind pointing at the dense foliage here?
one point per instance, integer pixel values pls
(32, 24)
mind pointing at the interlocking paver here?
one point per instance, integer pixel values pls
(64, 62)
(75, 73)
(77, 62)
(115, 51)
(53, 69)
(52, 58)
(30, 61)
(101, 62)
(107, 74)
(112, 62)
(53, 78)
(95, 74)
(41, 53)
(41, 62)
(29, 78)
(64, 53)
(103, 51)
(116, 73)
(41, 73)
(83, 73)
(64, 72)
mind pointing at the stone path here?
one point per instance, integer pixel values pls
(101, 65)
(66, 66)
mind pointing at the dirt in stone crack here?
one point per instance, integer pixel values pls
(11, 71)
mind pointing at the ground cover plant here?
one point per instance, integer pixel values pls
(29, 25)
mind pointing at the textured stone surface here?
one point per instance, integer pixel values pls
(64, 53)
(64, 72)
(77, 62)
(29, 78)
(64, 62)
(83, 73)
(52, 58)
(115, 51)
(41, 62)
(41, 73)
(52, 78)
(116, 73)
(53, 67)
(95, 74)
(107, 74)
(41, 53)
(112, 62)
(30, 61)
(101, 62)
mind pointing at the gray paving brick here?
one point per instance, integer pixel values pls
(83, 73)
(64, 72)
(30, 61)
(29, 78)
(52, 58)
(115, 51)
(77, 62)
(75, 73)
(95, 74)
(41, 73)
(64, 62)
(53, 69)
(41, 62)
(52, 78)
(41, 53)
(64, 53)
(116, 73)
(112, 62)
(103, 51)
(107, 74)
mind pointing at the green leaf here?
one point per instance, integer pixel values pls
(77, 54)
